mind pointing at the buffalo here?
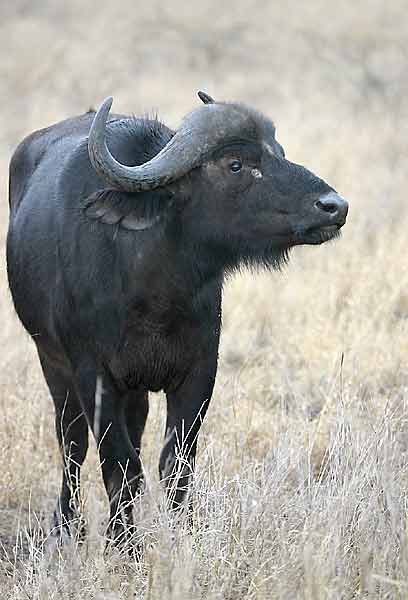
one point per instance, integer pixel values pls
(121, 234)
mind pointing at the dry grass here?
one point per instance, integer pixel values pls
(302, 473)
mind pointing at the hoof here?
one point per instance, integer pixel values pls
(72, 527)
(125, 542)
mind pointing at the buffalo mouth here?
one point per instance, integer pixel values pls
(319, 234)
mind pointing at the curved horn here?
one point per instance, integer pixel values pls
(205, 98)
(200, 131)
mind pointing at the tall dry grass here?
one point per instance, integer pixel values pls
(302, 471)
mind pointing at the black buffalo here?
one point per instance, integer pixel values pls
(116, 268)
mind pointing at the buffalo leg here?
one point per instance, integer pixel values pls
(72, 433)
(136, 411)
(186, 409)
(105, 408)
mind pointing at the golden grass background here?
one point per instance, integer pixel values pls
(302, 473)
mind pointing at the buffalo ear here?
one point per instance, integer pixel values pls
(205, 98)
(125, 209)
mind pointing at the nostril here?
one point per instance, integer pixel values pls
(328, 207)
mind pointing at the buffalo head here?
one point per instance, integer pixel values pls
(236, 191)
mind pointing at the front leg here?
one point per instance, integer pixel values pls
(106, 409)
(186, 409)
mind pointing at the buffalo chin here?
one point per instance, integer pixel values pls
(319, 235)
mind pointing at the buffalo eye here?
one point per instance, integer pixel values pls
(235, 165)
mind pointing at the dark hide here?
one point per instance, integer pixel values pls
(121, 292)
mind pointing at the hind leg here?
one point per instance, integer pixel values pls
(72, 434)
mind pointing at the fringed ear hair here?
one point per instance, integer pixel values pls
(205, 98)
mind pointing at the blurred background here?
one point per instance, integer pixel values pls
(334, 78)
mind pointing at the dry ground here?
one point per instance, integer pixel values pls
(302, 473)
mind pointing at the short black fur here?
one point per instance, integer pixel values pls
(121, 292)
